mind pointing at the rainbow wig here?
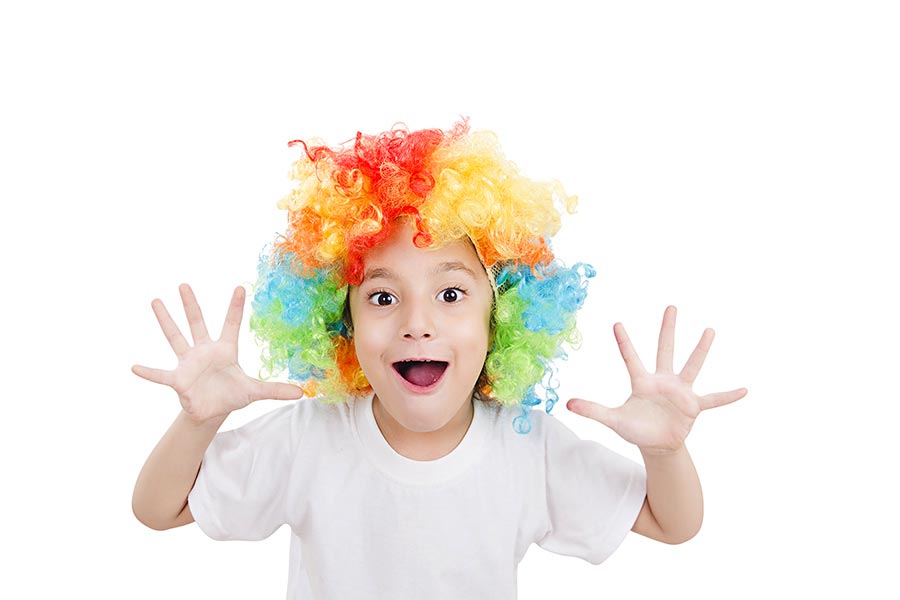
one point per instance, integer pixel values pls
(452, 185)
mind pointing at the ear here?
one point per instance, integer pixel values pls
(492, 327)
(347, 317)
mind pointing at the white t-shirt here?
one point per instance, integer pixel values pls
(370, 523)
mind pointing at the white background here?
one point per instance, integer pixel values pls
(737, 160)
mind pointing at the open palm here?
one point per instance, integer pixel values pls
(208, 380)
(662, 408)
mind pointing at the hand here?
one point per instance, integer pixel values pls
(208, 379)
(662, 408)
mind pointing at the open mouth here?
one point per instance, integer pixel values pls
(421, 373)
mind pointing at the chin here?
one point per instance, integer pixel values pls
(422, 414)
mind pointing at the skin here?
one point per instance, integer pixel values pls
(415, 321)
(657, 418)
(407, 306)
(419, 320)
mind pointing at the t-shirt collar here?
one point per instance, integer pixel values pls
(417, 472)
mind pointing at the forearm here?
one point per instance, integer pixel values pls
(167, 477)
(674, 494)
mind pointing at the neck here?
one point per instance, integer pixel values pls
(423, 446)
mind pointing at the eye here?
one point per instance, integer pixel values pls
(452, 295)
(382, 298)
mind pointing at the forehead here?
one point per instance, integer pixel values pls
(398, 256)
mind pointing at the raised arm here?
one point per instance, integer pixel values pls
(673, 509)
(162, 488)
(210, 385)
(657, 418)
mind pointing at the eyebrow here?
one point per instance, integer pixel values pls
(444, 267)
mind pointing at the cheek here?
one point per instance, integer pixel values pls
(368, 342)
(472, 333)
(364, 339)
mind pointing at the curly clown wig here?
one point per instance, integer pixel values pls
(451, 185)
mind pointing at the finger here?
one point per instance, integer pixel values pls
(170, 329)
(232, 326)
(194, 316)
(693, 364)
(666, 348)
(275, 391)
(632, 362)
(721, 398)
(154, 375)
(592, 410)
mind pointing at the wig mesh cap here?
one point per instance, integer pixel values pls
(492, 272)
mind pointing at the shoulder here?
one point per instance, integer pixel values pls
(504, 425)
(330, 409)
(547, 435)
(520, 461)
(548, 425)
(296, 418)
(506, 419)
(316, 413)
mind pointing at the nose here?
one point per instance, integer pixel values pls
(417, 322)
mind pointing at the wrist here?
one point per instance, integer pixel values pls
(212, 423)
(662, 453)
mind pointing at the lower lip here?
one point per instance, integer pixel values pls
(417, 389)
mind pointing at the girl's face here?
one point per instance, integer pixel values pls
(421, 321)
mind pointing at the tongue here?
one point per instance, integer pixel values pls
(424, 374)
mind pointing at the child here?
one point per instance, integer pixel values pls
(416, 296)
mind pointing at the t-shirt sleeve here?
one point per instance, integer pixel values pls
(241, 489)
(594, 495)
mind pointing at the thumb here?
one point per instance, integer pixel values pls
(592, 410)
(285, 391)
(275, 391)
